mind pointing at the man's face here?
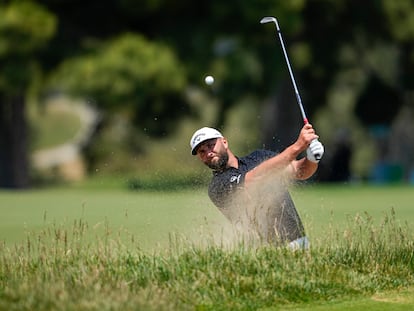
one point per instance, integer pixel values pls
(213, 153)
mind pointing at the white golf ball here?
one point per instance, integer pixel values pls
(209, 80)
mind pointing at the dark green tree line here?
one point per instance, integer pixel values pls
(140, 56)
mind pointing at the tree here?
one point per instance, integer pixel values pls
(196, 34)
(362, 50)
(325, 39)
(223, 38)
(133, 75)
(25, 28)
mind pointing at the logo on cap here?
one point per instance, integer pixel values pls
(201, 135)
(197, 139)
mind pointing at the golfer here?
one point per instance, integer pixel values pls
(252, 191)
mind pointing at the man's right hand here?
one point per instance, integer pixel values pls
(306, 136)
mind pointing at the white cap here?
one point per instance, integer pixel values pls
(201, 135)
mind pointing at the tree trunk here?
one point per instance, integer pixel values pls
(14, 166)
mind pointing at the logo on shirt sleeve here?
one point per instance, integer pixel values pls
(235, 179)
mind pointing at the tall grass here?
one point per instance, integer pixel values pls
(60, 269)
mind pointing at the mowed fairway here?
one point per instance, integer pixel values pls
(147, 218)
(150, 218)
(332, 207)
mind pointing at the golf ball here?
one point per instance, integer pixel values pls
(209, 80)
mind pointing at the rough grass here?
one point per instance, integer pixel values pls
(58, 269)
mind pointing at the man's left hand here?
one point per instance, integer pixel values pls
(315, 151)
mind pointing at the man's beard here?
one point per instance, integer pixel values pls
(221, 164)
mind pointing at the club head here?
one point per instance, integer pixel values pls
(270, 19)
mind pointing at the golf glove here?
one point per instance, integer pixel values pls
(315, 151)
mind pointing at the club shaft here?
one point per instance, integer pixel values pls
(298, 98)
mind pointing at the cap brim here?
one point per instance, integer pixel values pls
(194, 151)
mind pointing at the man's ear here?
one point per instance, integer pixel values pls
(225, 143)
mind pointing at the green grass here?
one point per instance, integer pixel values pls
(326, 207)
(77, 249)
(401, 300)
(148, 218)
(151, 216)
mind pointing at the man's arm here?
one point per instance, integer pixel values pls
(303, 169)
(286, 161)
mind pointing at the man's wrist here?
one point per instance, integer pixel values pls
(312, 160)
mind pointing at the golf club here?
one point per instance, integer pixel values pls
(298, 98)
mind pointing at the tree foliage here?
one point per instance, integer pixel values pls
(130, 73)
(25, 28)
(224, 38)
(139, 57)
